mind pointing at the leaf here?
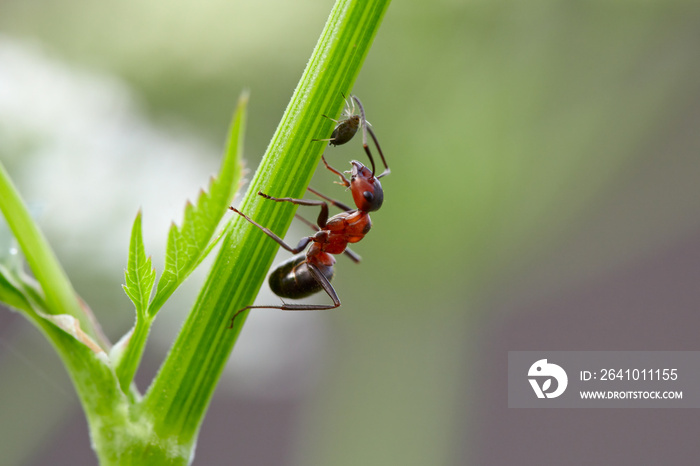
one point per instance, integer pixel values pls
(188, 244)
(140, 276)
(11, 293)
(71, 326)
(19, 292)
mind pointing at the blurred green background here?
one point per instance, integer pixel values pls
(544, 196)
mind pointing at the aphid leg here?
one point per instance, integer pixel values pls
(333, 120)
(349, 106)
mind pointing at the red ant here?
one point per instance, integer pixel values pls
(310, 272)
(345, 130)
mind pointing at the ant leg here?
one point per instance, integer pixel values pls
(348, 252)
(335, 203)
(322, 216)
(363, 123)
(345, 181)
(321, 279)
(387, 170)
(366, 128)
(300, 247)
(327, 287)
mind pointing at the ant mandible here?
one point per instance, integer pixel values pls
(346, 128)
(310, 272)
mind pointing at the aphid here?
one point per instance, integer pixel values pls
(348, 125)
(310, 272)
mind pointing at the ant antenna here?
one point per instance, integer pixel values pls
(367, 128)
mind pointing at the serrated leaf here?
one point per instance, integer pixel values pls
(187, 246)
(140, 276)
(189, 243)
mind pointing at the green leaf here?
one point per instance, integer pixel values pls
(188, 244)
(140, 276)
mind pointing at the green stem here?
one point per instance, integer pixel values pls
(59, 295)
(128, 362)
(178, 398)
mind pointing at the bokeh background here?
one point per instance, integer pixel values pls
(544, 195)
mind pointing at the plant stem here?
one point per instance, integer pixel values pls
(59, 295)
(177, 400)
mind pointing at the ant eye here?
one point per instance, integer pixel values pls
(368, 195)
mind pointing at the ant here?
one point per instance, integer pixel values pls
(346, 128)
(310, 272)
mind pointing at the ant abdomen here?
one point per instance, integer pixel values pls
(293, 279)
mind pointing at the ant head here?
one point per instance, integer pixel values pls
(366, 188)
